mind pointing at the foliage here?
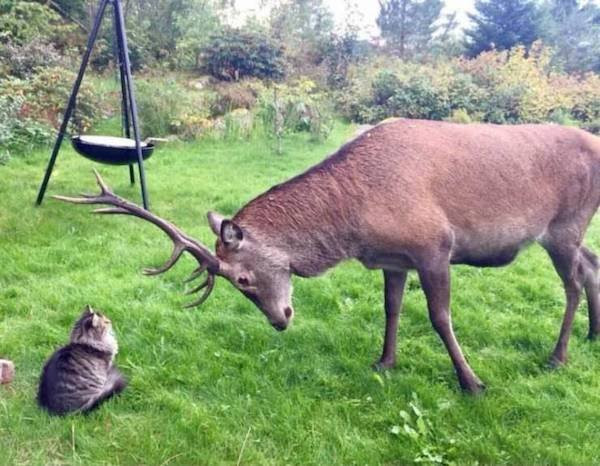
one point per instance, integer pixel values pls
(573, 30)
(408, 25)
(502, 24)
(162, 105)
(431, 445)
(17, 133)
(513, 86)
(196, 25)
(23, 21)
(293, 108)
(234, 54)
(228, 96)
(338, 53)
(138, 43)
(22, 61)
(301, 27)
(44, 96)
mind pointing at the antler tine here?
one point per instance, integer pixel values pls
(195, 274)
(206, 260)
(105, 196)
(103, 187)
(111, 210)
(209, 287)
(199, 287)
(177, 252)
(85, 199)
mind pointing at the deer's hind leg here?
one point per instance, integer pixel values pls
(591, 284)
(571, 264)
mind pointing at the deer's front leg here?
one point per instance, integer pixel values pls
(435, 282)
(394, 290)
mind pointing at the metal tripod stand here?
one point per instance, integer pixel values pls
(128, 106)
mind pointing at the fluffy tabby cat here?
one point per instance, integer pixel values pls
(81, 375)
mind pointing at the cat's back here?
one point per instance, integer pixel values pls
(72, 375)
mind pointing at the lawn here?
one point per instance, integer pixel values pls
(217, 385)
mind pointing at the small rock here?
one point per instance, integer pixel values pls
(7, 371)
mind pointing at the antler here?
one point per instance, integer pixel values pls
(207, 262)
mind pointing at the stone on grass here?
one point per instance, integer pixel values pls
(7, 371)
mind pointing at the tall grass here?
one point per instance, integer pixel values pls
(218, 386)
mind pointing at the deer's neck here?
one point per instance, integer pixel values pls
(310, 218)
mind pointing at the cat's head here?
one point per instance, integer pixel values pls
(94, 328)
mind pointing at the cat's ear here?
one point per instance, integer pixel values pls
(88, 309)
(95, 320)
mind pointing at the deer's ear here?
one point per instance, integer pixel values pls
(215, 220)
(231, 234)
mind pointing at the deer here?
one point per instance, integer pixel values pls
(409, 195)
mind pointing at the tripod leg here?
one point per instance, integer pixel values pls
(131, 174)
(125, 122)
(120, 24)
(72, 99)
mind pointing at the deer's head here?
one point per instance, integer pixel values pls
(260, 272)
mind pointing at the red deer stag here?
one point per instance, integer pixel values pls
(412, 195)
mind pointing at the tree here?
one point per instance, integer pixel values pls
(408, 25)
(572, 28)
(196, 24)
(502, 24)
(301, 26)
(233, 54)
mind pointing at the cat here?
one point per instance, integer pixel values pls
(81, 375)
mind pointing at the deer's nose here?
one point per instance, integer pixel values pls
(279, 326)
(282, 324)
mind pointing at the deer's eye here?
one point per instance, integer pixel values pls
(243, 281)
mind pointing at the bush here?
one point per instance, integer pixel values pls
(295, 107)
(498, 87)
(44, 96)
(234, 54)
(460, 115)
(160, 105)
(16, 132)
(230, 96)
(22, 61)
(167, 107)
(23, 21)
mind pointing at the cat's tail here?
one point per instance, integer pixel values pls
(114, 385)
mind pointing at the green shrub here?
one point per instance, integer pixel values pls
(44, 96)
(24, 60)
(459, 115)
(233, 54)
(293, 108)
(160, 105)
(233, 95)
(167, 107)
(18, 133)
(593, 126)
(498, 87)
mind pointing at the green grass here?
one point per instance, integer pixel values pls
(218, 385)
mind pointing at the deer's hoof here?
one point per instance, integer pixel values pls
(383, 365)
(556, 363)
(473, 387)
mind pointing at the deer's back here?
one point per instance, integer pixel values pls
(491, 187)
